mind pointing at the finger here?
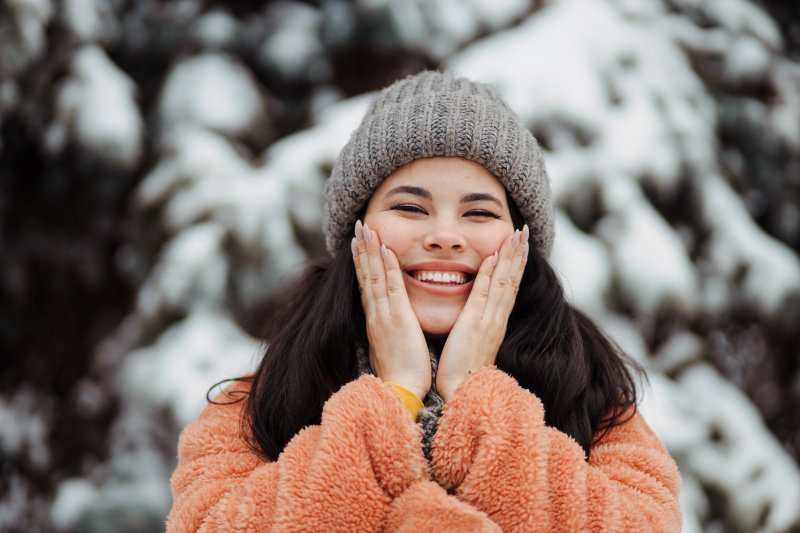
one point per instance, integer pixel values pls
(395, 286)
(476, 302)
(362, 270)
(502, 287)
(517, 267)
(377, 271)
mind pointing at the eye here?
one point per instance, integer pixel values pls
(408, 208)
(481, 213)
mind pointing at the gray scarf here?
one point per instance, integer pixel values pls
(430, 413)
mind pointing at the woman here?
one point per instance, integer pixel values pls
(438, 307)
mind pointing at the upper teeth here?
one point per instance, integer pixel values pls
(441, 277)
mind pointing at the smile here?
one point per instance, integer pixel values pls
(440, 277)
(459, 284)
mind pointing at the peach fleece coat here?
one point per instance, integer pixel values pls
(362, 469)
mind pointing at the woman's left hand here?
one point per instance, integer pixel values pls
(481, 327)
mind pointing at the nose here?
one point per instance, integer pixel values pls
(443, 236)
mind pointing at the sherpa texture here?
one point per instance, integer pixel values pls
(362, 469)
(436, 114)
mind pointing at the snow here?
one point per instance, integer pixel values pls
(25, 422)
(497, 14)
(96, 108)
(89, 20)
(215, 29)
(772, 269)
(583, 264)
(440, 27)
(30, 19)
(745, 17)
(74, 496)
(653, 90)
(131, 491)
(190, 272)
(213, 91)
(749, 60)
(786, 81)
(652, 266)
(294, 48)
(190, 155)
(740, 458)
(203, 348)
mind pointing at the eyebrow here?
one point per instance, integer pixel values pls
(478, 197)
(424, 193)
(416, 191)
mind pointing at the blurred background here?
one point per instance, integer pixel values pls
(161, 169)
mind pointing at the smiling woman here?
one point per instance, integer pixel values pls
(439, 221)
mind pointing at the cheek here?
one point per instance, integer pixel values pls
(492, 242)
(390, 234)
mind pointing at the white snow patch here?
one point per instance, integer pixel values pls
(191, 273)
(745, 17)
(621, 81)
(186, 360)
(30, 19)
(89, 20)
(743, 460)
(191, 155)
(772, 269)
(215, 29)
(25, 419)
(748, 60)
(214, 91)
(624, 333)
(74, 496)
(97, 107)
(583, 264)
(653, 266)
(294, 49)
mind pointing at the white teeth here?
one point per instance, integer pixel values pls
(456, 278)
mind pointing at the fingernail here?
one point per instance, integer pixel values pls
(359, 231)
(515, 239)
(354, 247)
(384, 251)
(495, 258)
(367, 234)
(526, 232)
(527, 249)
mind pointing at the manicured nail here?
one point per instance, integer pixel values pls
(367, 234)
(384, 251)
(515, 239)
(354, 247)
(495, 258)
(359, 231)
(526, 232)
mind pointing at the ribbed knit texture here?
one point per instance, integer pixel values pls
(435, 114)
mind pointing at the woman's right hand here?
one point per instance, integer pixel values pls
(398, 352)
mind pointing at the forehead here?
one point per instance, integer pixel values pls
(443, 175)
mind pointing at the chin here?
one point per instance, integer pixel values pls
(437, 325)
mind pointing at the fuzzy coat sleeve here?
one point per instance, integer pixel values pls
(361, 469)
(495, 452)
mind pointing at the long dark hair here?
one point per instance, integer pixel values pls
(585, 382)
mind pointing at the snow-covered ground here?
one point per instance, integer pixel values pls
(609, 88)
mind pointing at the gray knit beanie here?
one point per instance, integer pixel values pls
(434, 114)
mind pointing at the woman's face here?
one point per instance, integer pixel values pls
(442, 217)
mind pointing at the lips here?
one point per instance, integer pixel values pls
(441, 278)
